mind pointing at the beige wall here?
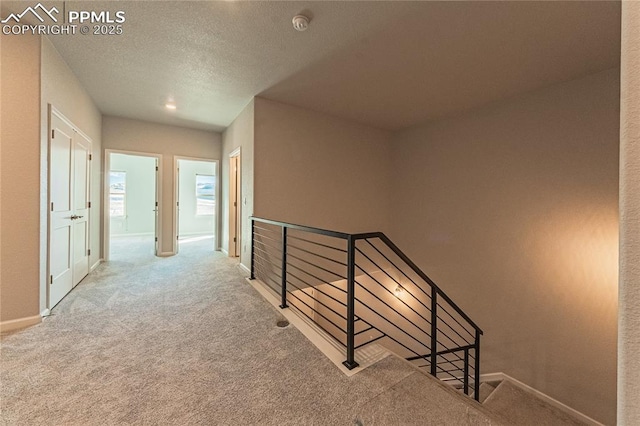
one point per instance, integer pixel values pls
(20, 145)
(169, 141)
(629, 316)
(512, 210)
(321, 171)
(62, 90)
(239, 134)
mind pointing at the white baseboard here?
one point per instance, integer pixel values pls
(196, 234)
(226, 253)
(166, 254)
(245, 269)
(494, 377)
(135, 234)
(45, 313)
(19, 323)
(95, 265)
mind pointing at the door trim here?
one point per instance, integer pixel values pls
(216, 225)
(105, 199)
(236, 213)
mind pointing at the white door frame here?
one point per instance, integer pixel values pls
(176, 159)
(106, 200)
(52, 110)
(236, 212)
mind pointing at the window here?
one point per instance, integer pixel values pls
(117, 193)
(205, 195)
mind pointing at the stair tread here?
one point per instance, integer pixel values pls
(485, 390)
(519, 407)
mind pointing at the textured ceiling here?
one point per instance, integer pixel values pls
(452, 56)
(211, 56)
(385, 64)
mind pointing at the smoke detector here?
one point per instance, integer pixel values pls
(300, 22)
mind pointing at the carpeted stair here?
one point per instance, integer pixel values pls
(515, 406)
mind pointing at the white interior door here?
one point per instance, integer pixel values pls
(157, 209)
(69, 153)
(177, 185)
(61, 206)
(80, 156)
(237, 207)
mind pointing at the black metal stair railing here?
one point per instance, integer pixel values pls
(360, 289)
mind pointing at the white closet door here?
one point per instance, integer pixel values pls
(69, 155)
(61, 206)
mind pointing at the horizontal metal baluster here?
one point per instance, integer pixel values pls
(389, 291)
(319, 267)
(314, 310)
(315, 288)
(318, 244)
(316, 299)
(320, 280)
(318, 255)
(392, 309)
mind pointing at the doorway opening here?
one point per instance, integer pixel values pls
(235, 195)
(196, 204)
(132, 206)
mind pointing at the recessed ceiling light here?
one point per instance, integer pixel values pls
(170, 105)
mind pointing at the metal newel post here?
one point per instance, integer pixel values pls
(476, 386)
(466, 371)
(351, 363)
(434, 331)
(253, 244)
(283, 293)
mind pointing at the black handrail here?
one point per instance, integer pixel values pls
(311, 229)
(269, 252)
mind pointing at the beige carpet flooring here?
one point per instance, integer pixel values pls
(517, 407)
(186, 340)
